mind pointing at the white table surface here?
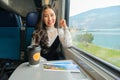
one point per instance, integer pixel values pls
(27, 72)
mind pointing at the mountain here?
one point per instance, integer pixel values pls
(101, 18)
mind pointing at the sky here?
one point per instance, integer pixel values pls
(79, 6)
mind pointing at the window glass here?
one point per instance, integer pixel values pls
(95, 27)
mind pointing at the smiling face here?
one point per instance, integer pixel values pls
(49, 17)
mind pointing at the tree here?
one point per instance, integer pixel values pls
(87, 37)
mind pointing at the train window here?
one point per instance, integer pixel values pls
(95, 28)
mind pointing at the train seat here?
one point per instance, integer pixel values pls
(31, 20)
(9, 36)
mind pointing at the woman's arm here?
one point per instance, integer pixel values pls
(64, 34)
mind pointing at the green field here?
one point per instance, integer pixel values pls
(109, 55)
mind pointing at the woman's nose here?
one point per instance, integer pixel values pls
(49, 18)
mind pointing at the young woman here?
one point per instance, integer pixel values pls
(50, 35)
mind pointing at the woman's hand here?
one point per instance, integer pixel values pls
(63, 24)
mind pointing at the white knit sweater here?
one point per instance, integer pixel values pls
(64, 36)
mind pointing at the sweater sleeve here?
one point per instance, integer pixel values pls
(65, 37)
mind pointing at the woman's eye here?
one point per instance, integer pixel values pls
(52, 15)
(45, 15)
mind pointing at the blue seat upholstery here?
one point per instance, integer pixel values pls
(31, 20)
(9, 36)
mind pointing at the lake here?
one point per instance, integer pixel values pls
(107, 39)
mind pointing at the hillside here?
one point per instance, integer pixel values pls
(101, 18)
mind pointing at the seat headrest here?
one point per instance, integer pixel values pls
(8, 19)
(31, 19)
